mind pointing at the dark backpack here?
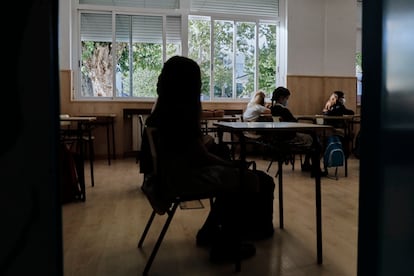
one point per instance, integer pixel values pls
(334, 155)
(257, 223)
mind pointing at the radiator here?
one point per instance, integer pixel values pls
(137, 129)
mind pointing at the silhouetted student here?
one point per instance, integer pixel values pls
(188, 167)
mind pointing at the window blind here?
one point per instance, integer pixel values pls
(148, 29)
(173, 32)
(239, 7)
(96, 27)
(155, 4)
(143, 28)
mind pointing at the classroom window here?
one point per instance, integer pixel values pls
(242, 59)
(122, 51)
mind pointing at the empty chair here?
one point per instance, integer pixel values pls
(80, 137)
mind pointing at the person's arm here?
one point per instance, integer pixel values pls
(208, 158)
(329, 104)
(287, 116)
(265, 110)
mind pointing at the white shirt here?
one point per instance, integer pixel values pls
(253, 112)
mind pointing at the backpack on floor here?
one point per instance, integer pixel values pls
(334, 155)
(256, 214)
(257, 219)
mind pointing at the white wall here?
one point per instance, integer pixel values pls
(321, 37)
(65, 41)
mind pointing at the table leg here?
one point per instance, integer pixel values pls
(108, 146)
(280, 177)
(242, 142)
(91, 154)
(113, 138)
(317, 174)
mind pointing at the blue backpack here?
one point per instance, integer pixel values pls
(334, 154)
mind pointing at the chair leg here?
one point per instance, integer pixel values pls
(270, 164)
(147, 227)
(88, 150)
(91, 160)
(160, 238)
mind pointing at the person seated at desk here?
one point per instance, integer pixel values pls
(189, 168)
(256, 108)
(335, 106)
(256, 111)
(279, 108)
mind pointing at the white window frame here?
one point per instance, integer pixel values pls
(183, 11)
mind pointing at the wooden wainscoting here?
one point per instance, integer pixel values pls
(310, 93)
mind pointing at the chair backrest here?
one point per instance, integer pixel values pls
(64, 123)
(141, 123)
(151, 187)
(152, 141)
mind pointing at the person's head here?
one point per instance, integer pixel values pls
(259, 98)
(179, 75)
(340, 96)
(179, 89)
(281, 95)
(332, 99)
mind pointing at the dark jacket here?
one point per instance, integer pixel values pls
(338, 110)
(283, 112)
(285, 116)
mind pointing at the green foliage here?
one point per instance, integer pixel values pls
(358, 62)
(199, 50)
(267, 58)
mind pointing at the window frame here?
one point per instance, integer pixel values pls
(184, 13)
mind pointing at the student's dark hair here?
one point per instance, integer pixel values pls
(178, 89)
(280, 92)
(340, 94)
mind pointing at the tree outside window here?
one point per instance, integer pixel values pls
(243, 58)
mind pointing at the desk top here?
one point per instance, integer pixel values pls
(269, 126)
(96, 115)
(78, 118)
(315, 116)
(221, 118)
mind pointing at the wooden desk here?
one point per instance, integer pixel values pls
(108, 121)
(81, 128)
(283, 127)
(225, 118)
